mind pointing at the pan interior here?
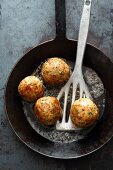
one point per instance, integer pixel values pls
(96, 88)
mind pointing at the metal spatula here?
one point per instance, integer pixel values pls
(76, 79)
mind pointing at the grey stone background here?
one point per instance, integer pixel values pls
(24, 24)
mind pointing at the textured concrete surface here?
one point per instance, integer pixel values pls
(24, 24)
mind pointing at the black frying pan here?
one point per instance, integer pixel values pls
(60, 46)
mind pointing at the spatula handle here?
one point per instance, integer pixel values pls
(83, 33)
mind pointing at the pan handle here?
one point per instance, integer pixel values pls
(60, 18)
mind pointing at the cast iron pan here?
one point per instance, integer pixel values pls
(60, 46)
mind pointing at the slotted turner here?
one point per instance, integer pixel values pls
(76, 79)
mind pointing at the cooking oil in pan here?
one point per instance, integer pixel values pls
(97, 91)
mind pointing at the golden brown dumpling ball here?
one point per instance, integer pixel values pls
(84, 113)
(48, 110)
(31, 88)
(55, 71)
